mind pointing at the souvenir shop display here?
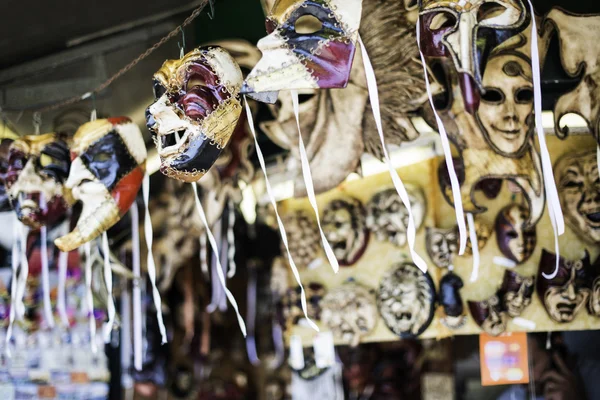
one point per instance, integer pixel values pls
(515, 240)
(345, 227)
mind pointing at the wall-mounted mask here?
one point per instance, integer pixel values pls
(387, 217)
(578, 186)
(451, 301)
(196, 111)
(483, 232)
(466, 31)
(303, 237)
(515, 240)
(38, 167)
(350, 311)
(311, 45)
(516, 292)
(292, 306)
(406, 300)
(569, 291)
(594, 304)
(106, 174)
(345, 228)
(5, 144)
(489, 315)
(442, 245)
(489, 187)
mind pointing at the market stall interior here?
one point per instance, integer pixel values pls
(300, 199)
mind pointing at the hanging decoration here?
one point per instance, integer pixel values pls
(6, 140)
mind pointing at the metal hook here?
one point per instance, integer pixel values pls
(94, 113)
(211, 13)
(37, 122)
(182, 44)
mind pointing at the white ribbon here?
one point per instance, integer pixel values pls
(203, 261)
(61, 303)
(310, 190)
(23, 273)
(137, 292)
(474, 247)
(554, 210)
(456, 194)
(15, 263)
(45, 278)
(504, 262)
(89, 296)
(216, 286)
(232, 268)
(213, 245)
(284, 238)
(110, 302)
(148, 234)
(374, 97)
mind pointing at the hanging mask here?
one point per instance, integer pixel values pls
(406, 300)
(196, 111)
(38, 167)
(466, 31)
(303, 237)
(516, 293)
(489, 187)
(442, 245)
(515, 240)
(311, 45)
(345, 228)
(489, 315)
(5, 144)
(569, 291)
(579, 193)
(387, 217)
(292, 306)
(451, 301)
(109, 158)
(350, 312)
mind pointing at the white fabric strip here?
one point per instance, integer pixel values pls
(61, 302)
(474, 247)
(213, 244)
(46, 277)
(232, 267)
(554, 209)
(203, 249)
(148, 234)
(15, 263)
(411, 230)
(136, 291)
(23, 273)
(504, 262)
(110, 302)
(89, 296)
(216, 286)
(224, 256)
(284, 238)
(456, 194)
(310, 190)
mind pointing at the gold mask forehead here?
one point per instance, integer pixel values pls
(283, 8)
(33, 144)
(464, 5)
(168, 74)
(89, 133)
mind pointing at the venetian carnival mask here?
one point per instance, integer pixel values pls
(570, 290)
(292, 303)
(387, 217)
(311, 45)
(489, 315)
(38, 167)
(196, 111)
(350, 312)
(451, 301)
(442, 245)
(406, 300)
(578, 186)
(5, 144)
(466, 31)
(515, 240)
(109, 158)
(345, 229)
(516, 292)
(594, 303)
(303, 237)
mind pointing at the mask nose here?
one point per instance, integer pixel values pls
(150, 122)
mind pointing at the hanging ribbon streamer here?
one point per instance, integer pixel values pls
(223, 256)
(456, 195)
(15, 263)
(554, 210)
(251, 317)
(151, 265)
(112, 312)
(216, 287)
(46, 278)
(213, 245)
(411, 230)
(231, 268)
(89, 296)
(136, 292)
(310, 190)
(61, 303)
(24, 272)
(284, 238)
(203, 250)
(474, 247)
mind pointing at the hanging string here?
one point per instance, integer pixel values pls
(112, 312)
(182, 44)
(37, 122)
(223, 256)
(89, 296)
(136, 292)
(231, 269)
(554, 209)
(94, 113)
(284, 238)
(411, 230)
(310, 190)
(148, 234)
(456, 194)
(216, 287)
(45, 277)
(474, 247)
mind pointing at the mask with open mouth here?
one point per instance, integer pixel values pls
(109, 158)
(38, 166)
(196, 111)
(466, 31)
(578, 186)
(515, 240)
(489, 315)
(344, 225)
(516, 292)
(311, 45)
(569, 291)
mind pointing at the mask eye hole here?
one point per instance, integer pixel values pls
(511, 234)
(493, 95)
(159, 89)
(490, 10)
(524, 95)
(410, 5)
(194, 82)
(308, 24)
(442, 20)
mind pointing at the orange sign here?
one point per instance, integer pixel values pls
(46, 392)
(79, 377)
(504, 359)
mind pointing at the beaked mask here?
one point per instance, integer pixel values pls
(38, 166)
(516, 241)
(442, 245)
(196, 111)
(489, 315)
(109, 158)
(516, 292)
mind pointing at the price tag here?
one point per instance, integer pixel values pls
(324, 350)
